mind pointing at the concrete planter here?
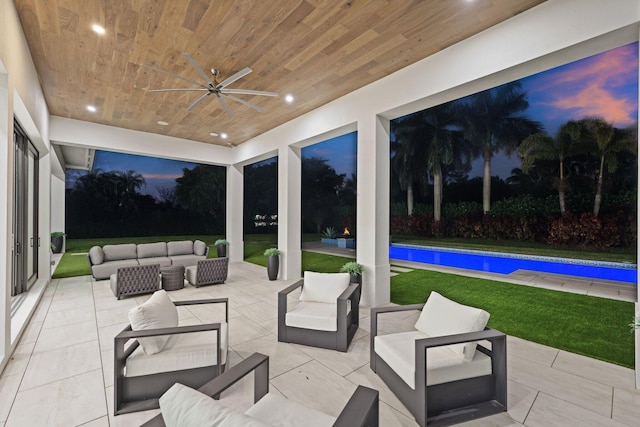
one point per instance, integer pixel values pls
(273, 265)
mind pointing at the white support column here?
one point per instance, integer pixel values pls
(637, 305)
(6, 225)
(235, 206)
(372, 231)
(289, 212)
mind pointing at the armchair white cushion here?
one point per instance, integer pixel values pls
(184, 406)
(157, 312)
(324, 287)
(441, 316)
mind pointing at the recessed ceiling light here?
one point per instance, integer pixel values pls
(92, 108)
(98, 29)
(223, 135)
(162, 123)
(289, 98)
(213, 134)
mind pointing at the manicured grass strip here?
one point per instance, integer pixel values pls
(71, 265)
(591, 326)
(627, 255)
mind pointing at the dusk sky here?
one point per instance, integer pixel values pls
(604, 85)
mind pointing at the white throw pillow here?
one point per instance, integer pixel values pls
(441, 316)
(324, 287)
(157, 312)
(182, 406)
(97, 255)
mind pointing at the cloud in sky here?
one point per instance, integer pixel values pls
(603, 85)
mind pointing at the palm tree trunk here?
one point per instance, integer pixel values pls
(598, 199)
(409, 198)
(561, 189)
(486, 182)
(437, 196)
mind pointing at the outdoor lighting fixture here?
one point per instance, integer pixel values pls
(223, 135)
(98, 29)
(91, 108)
(162, 123)
(289, 98)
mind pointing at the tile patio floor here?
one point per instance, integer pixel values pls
(61, 373)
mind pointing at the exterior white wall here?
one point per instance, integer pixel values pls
(57, 204)
(235, 203)
(20, 96)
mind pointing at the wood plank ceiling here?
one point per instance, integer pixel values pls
(316, 50)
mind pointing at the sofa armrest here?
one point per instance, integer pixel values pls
(282, 308)
(361, 410)
(291, 288)
(374, 325)
(256, 363)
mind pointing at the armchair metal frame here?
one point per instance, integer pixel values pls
(136, 279)
(335, 340)
(139, 393)
(211, 271)
(361, 410)
(453, 402)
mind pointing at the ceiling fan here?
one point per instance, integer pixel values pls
(212, 87)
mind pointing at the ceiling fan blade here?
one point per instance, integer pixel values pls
(224, 105)
(178, 90)
(198, 101)
(173, 75)
(248, 104)
(197, 67)
(247, 92)
(240, 74)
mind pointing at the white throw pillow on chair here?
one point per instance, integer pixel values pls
(442, 316)
(157, 312)
(324, 287)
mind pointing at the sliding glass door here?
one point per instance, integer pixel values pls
(25, 213)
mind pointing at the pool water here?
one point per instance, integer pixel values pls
(502, 263)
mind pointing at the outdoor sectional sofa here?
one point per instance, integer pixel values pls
(106, 260)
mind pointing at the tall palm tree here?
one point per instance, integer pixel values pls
(494, 122)
(541, 146)
(437, 136)
(608, 142)
(408, 159)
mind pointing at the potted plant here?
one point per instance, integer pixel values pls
(57, 240)
(273, 262)
(355, 270)
(221, 246)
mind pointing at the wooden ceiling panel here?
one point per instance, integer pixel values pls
(317, 50)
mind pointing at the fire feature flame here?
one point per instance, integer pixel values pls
(346, 231)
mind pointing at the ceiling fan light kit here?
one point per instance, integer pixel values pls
(211, 86)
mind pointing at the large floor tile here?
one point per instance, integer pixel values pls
(19, 360)
(73, 315)
(342, 363)
(282, 356)
(366, 377)
(579, 391)
(8, 388)
(596, 370)
(548, 411)
(242, 330)
(64, 336)
(537, 353)
(626, 406)
(315, 386)
(54, 365)
(69, 402)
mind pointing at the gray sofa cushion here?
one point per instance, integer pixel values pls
(199, 247)
(151, 250)
(96, 254)
(119, 252)
(163, 261)
(186, 260)
(184, 247)
(106, 269)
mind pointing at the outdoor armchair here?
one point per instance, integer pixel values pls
(326, 315)
(135, 280)
(184, 406)
(153, 352)
(439, 371)
(208, 272)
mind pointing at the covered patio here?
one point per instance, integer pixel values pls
(63, 365)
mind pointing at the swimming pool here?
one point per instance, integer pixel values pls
(503, 263)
